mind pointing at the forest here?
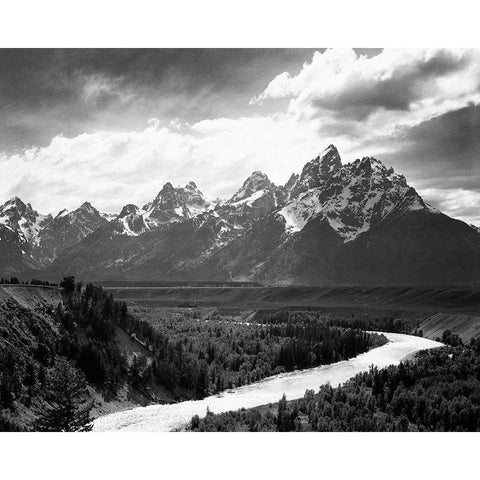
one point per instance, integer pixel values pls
(382, 322)
(439, 391)
(78, 341)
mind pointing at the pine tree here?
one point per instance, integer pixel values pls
(68, 285)
(70, 411)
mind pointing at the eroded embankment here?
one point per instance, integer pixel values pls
(30, 296)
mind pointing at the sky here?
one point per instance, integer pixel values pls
(113, 126)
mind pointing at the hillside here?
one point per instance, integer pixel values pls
(40, 329)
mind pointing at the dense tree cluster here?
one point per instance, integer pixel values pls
(361, 321)
(214, 353)
(34, 281)
(440, 391)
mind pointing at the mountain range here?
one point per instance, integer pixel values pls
(333, 224)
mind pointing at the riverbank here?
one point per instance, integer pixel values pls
(293, 384)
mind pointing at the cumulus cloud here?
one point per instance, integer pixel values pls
(111, 169)
(341, 82)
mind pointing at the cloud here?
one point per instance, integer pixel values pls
(45, 92)
(111, 169)
(341, 83)
(457, 203)
(442, 153)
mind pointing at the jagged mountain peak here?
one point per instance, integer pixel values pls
(17, 204)
(352, 197)
(22, 218)
(127, 210)
(369, 166)
(291, 181)
(87, 206)
(14, 201)
(369, 170)
(166, 191)
(256, 184)
(329, 160)
(174, 204)
(166, 200)
(316, 172)
(61, 213)
(167, 187)
(257, 179)
(191, 186)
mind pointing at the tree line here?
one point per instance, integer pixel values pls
(440, 391)
(382, 322)
(34, 281)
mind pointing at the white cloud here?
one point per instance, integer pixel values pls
(457, 203)
(113, 169)
(395, 87)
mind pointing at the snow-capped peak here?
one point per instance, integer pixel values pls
(22, 218)
(191, 186)
(316, 172)
(253, 188)
(329, 160)
(87, 207)
(172, 204)
(351, 197)
(128, 210)
(62, 213)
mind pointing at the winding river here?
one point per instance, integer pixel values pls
(172, 416)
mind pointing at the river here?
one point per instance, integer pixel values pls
(173, 416)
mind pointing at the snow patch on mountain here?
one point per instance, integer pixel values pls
(248, 200)
(351, 197)
(23, 219)
(108, 216)
(256, 182)
(171, 205)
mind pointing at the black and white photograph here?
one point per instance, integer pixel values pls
(239, 239)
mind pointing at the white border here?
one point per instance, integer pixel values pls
(248, 23)
(239, 456)
(215, 23)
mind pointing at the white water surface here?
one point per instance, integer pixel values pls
(162, 418)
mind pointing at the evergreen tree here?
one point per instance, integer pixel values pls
(70, 411)
(68, 285)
